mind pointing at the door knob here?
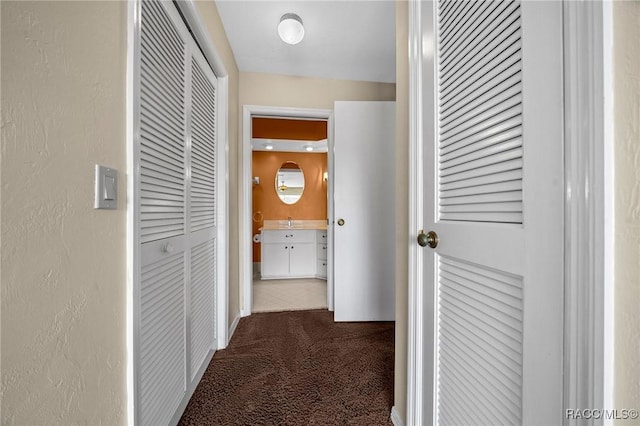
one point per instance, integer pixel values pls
(340, 222)
(429, 239)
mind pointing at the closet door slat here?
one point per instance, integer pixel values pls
(480, 112)
(162, 123)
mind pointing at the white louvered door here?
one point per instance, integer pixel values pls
(202, 211)
(493, 192)
(176, 201)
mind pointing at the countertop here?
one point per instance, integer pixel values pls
(273, 225)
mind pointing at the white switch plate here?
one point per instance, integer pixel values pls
(106, 188)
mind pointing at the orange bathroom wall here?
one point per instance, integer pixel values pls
(283, 128)
(266, 204)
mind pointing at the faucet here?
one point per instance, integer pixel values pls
(289, 221)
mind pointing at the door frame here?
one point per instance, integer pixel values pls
(588, 151)
(194, 22)
(246, 237)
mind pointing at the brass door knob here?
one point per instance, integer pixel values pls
(429, 239)
(340, 222)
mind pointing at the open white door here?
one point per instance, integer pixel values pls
(491, 142)
(364, 197)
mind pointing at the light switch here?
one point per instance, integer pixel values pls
(109, 188)
(106, 188)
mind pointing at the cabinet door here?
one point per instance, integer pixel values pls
(321, 271)
(275, 260)
(302, 258)
(322, 251)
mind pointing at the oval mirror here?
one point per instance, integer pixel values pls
(289, 182)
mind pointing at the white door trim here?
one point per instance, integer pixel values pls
(588, 207)
(588, 211)
(415, 342)
(201, 35)
(246, 267)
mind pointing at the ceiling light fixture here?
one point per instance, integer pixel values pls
(309, 148)
(268, 147)
(290, 28)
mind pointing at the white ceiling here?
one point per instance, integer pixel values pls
(345, 39)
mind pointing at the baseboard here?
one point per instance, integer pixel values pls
(232, 328)
(395, 417)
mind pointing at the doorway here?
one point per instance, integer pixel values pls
(289, 214)
(251, 222)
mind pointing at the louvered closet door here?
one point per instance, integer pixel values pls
(177, 207)
(163, 213)
(493, 139)
(202, 211)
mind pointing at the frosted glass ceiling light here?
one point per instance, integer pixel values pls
(290, 28)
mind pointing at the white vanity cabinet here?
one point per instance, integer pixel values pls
(301, 260)
(275, 260)
(289, 253)
(321, 254)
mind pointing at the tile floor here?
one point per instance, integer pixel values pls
(289, 295)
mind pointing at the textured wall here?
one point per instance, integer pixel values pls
(402, 205)
(311, 206)
(63, 263)
(304, 92)
(626, 33)
(211, 19)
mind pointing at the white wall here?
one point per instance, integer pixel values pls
(626, 57)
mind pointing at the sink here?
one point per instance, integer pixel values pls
(294, 224)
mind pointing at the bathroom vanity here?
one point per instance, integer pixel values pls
(298, 250)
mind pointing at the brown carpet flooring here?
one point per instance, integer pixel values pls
(298, 368)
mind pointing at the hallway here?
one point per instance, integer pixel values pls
(77, 346)
(298, 368)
